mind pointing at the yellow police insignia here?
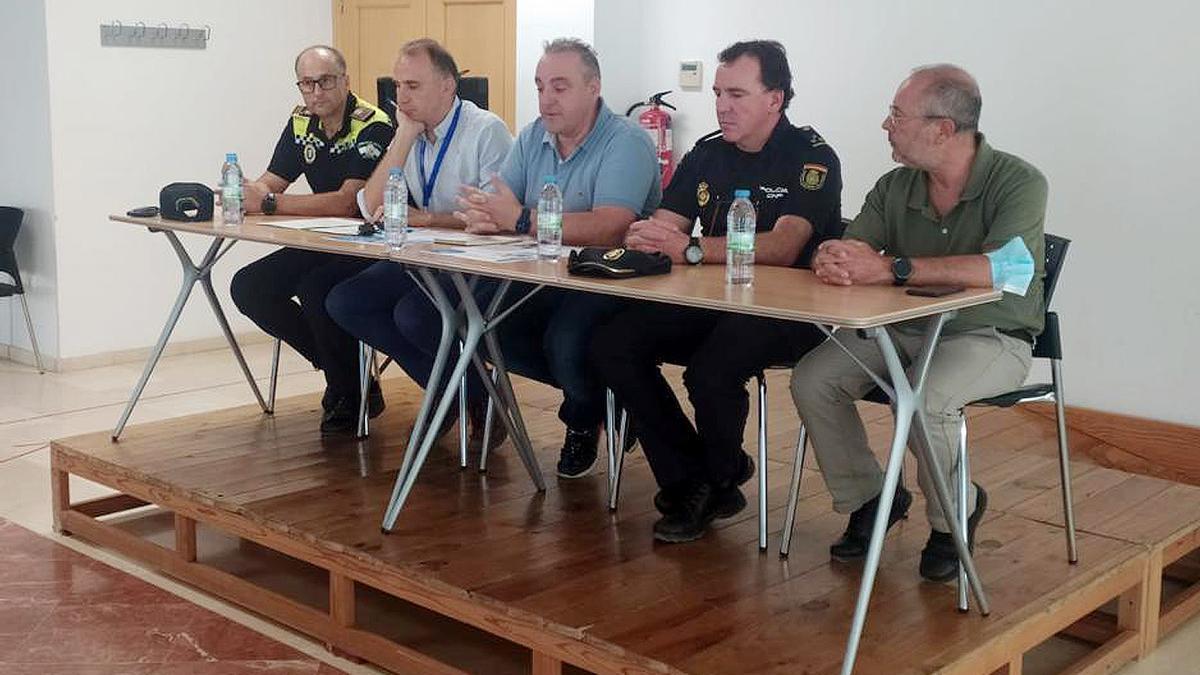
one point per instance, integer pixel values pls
(613, 253)
(310, 153)
(362, 113)
(812, 176)
(702, 195)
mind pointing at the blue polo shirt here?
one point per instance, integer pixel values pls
(614, 166)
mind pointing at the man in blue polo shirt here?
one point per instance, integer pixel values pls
(606, 168)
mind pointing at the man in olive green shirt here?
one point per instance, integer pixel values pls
(926, 223)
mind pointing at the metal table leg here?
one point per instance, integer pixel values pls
(192, 273)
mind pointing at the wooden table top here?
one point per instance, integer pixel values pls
(777, 292)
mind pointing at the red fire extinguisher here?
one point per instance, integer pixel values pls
(657, 123)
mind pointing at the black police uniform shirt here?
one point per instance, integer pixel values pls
(305, 148)
(796, 173)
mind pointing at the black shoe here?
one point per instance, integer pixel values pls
(730, 502)
(578, 454)
(341, 418)
(856, 538)
(477, 416)
(697, 508)
(939, 558)
(328, 400)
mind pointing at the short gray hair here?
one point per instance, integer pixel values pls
(952, 93)
(591, 64)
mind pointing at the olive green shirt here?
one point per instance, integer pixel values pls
(1005, 197)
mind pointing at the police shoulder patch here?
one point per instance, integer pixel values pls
(370, 150)
(812, 176)
(362, 113)
(300, 110)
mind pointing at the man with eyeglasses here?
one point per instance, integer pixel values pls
(946, 217)
(334, 140)
(795, 183)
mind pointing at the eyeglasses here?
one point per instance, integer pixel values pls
(897, 116)
(326, 82)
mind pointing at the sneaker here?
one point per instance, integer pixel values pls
(578, 455)
(697, 508)
(939, 558)
(857, 537)
(730, 502)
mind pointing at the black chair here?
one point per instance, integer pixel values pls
(473, 89)
(1047, 346)
(10, 224)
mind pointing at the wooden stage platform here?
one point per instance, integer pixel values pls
(484, 575)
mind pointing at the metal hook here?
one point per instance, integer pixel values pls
(207, 32)
(142, 29)
(183, 32)
(162, 31)
(117, 28)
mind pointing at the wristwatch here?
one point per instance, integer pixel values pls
(523, 221)
(901, 270)
(268, 204)
(693, 253)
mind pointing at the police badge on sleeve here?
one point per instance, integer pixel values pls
(812, 176)
(370, 150)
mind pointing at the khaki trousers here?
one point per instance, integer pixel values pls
(965, 367)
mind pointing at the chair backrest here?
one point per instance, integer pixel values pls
(470, 88)
(10, 224)
(1049, 344)
(1056, 251)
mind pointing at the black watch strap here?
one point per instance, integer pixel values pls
(523, 221)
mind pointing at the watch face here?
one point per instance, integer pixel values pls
(901, 269)
(693, 254)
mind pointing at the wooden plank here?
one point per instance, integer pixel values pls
(278, 607)
(1178, 610)
(1095, 628)
(185, 538)
(341, 599)
(1152, 447)
(1109, 657)
(60, 489)
(544, 664)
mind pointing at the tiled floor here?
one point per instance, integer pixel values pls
(55, 591)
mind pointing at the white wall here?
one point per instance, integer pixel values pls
(537, 22)
(1101, 97)
(25, 171)
(126, 121)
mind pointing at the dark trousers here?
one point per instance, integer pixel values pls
(720, 352)
(284, 294)
(383, 307)
(547, 339)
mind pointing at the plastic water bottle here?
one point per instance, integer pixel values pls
(395, 210)
(739, 240)
(231, 191)
(549, 220)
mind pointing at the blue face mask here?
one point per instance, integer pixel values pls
(1012, 267)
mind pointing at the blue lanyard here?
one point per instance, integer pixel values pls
(427, 186)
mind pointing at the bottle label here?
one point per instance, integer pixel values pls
(740, 242)
(549, 222)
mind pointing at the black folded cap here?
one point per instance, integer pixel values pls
(191, 202)
(616, 263)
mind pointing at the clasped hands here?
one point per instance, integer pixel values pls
(851, 262)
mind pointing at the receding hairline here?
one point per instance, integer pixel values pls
(324, 52)
(937, 72)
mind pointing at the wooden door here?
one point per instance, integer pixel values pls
(369, 33)
(481, 34)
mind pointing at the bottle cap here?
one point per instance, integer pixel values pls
(550, 180)
(739, 194)
(395, 172)
(231, 157)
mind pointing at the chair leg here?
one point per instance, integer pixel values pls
(487, 427)
(794, 496)
(610, 442)
(1064, 460)
(462, 419)
(366, 362)
(964, 481)
(762, 462)
(274, 376)
(37, 353)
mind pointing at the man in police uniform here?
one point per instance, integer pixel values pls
(932, 221)
(335, 140)
(795, 183)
